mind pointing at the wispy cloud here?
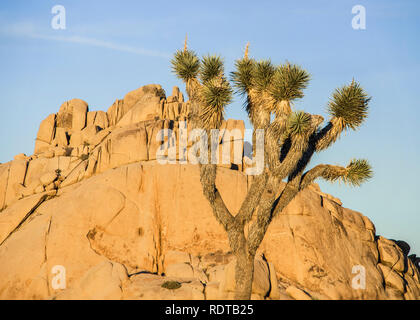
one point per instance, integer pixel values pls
(102, 44)
(27, 30)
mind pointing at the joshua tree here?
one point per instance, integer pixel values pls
(290, 141)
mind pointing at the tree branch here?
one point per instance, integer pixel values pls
(208, 182)
(357, 172)
(252, 198)
(326, 171)
(329, 134)
(269, 208)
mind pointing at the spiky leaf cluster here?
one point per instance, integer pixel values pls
(242, 77)
(262, 75)
(185, 65)
(288, 83)
(298, 123)
(350, 105)
(358, 171)
(211, 67)
(216, 93)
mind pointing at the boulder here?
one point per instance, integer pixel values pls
(115, 112)
(16, 174)
(12, 217)
(25, 275)
(61, 137)
(48, 154)
(392, 278)
(41, 166)
(179, 270)
(47, 178)
(274, 293)
(297, 293)
(176, 257)
(45, 134)
(102, 282)
(126, 146)
(175, 94)
(4, 177)
(21, 156)
(72, 115)
(144, 97)
(146, 108)
(390, 254)
(97, 118)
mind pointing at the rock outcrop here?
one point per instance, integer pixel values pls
(95, 201)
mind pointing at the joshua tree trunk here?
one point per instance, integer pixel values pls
(244, 267)
(244, 275)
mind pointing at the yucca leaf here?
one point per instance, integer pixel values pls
(185, 64)
(242, 77)
(216, 93)
(262, 75)
(288, 82)
(350, 105)
(299, 123)
(211, 118)
(211, 67)
(357, 172)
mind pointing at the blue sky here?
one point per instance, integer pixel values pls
(111, 47)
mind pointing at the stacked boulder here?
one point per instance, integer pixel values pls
(75, 143)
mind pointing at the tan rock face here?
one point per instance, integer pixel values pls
(45, 134)
(95, 201)
(146, 108)
(390, 254)
(323, 260)
(140, 97)
(153, 218)
(102, 282)
(72, 114)
(97, 118)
